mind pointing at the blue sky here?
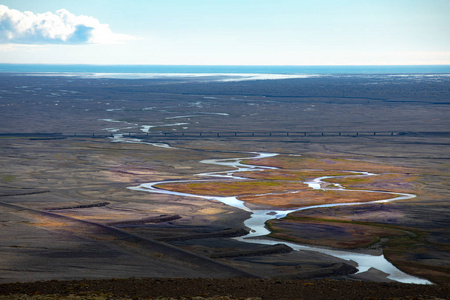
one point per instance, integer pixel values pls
(226, 32)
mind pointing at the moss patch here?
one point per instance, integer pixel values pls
(7, 178)
(338, 234)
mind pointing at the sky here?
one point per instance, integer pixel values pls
(226, 32)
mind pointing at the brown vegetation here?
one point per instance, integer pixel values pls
(235, 188)
(315, 197)
(328, 163)
(284, 174)
(398, 182)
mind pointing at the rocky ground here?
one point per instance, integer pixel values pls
(224, 289)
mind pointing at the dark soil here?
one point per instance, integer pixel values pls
(232, 288)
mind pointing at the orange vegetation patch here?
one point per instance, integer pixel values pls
(282, 174)
(315, 197)
(331, 234)
(235, 188)
(324, 163)
(386, 182)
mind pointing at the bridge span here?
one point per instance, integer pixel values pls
(224, 134)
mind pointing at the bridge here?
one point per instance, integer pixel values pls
(273, 133)
(225, 134)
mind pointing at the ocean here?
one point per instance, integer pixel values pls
(185, 69)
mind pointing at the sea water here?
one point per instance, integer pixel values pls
(191, 69)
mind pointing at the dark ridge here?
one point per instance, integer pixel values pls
(275, 249)
(80, 206)
(23, 193)
(232, 232)
(337, 269)
(159, 219)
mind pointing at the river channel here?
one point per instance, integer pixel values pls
(256, 222)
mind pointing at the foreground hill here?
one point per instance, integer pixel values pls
(238, 288)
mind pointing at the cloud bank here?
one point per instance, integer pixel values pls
(61, 27)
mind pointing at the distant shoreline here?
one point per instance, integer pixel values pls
(217, 69)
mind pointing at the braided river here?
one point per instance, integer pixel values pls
(258, 217)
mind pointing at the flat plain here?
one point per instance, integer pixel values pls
(71, 148)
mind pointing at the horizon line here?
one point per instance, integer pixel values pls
(229, 65)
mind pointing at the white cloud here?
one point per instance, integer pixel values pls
(61, 27)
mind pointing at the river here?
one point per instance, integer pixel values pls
(256, 222)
